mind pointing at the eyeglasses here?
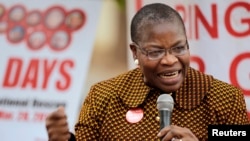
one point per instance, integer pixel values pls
(156, 54)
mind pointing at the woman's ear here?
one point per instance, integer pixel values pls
(133, 50)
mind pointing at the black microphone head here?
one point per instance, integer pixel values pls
(165, 102)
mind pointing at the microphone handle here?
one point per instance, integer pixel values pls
(165, 118)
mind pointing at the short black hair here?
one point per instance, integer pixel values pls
(150, 14)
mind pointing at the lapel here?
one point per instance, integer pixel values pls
(131, 88)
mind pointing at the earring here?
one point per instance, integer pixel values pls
(136, 61)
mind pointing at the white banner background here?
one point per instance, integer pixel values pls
(35, 81)
(218, 34)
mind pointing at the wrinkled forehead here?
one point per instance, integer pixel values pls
(157, 28)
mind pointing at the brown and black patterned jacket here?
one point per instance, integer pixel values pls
(202, 100)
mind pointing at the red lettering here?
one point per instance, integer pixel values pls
(38, 73)
(245, 21)
(65, 74)
(194, 18)
(12, 72)
(23, 116)
(199, 62)
(6, 115)
(185, 14)
(31, 74)
(38, 117)
(182, 11)
(211, 29)
(48, 68)
(233, 71)
(138, 4)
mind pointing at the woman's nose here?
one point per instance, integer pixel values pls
(169, 59)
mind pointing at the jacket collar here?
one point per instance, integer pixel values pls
(194, 89)
(132, 90)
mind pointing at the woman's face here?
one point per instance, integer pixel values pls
(168, 72)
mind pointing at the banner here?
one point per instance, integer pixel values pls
(218, 34)
(44, 56)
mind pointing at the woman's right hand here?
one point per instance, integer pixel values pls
(57, 126)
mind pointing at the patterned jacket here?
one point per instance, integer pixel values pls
(201, 100)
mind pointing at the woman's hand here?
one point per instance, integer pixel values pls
(176, 133)
(57, 126)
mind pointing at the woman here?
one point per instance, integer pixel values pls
(124, 107)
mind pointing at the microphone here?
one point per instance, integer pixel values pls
(165, 105)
